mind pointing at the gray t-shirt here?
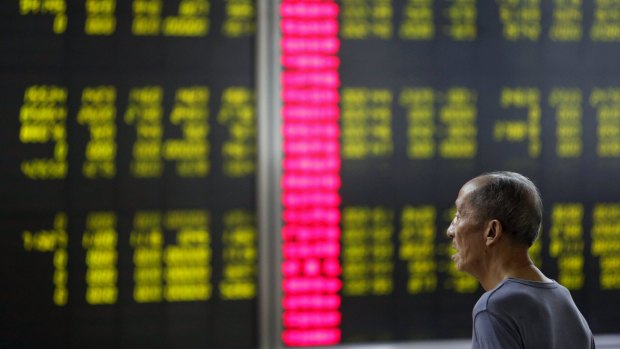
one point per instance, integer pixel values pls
(529, 315)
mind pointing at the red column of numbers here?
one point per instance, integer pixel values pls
(311, 173)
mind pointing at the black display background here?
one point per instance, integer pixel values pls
(31, 54)
(486, 65)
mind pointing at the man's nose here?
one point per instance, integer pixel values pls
(450, 231)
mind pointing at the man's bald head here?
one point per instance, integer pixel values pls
(513, 200)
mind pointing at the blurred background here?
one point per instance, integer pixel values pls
(234, 174)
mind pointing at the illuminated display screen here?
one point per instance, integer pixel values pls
(128, 154)
(311, 174)
(128, 133)
(432, 94)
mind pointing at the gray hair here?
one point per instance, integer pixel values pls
(511, 198)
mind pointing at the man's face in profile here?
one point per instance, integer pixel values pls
(467, 233)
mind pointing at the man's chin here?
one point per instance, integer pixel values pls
(457, 262)
(455, 258)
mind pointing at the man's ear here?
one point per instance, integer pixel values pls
(494, 232)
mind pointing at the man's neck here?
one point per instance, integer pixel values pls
(513, 262)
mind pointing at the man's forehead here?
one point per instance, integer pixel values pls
(467, 189)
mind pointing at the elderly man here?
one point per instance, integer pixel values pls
(498, 217)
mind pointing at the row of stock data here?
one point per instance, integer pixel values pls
(376, 239)
(44, 126)
(172, 256)
(409, 20)
(440, 124)
(447, 123)
(467, 20)
(148, 18)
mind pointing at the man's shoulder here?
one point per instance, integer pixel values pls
(538, 313)
(512, 294)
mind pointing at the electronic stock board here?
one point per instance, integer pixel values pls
(129, 164)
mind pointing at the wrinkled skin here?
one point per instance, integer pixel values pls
(467, 234)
